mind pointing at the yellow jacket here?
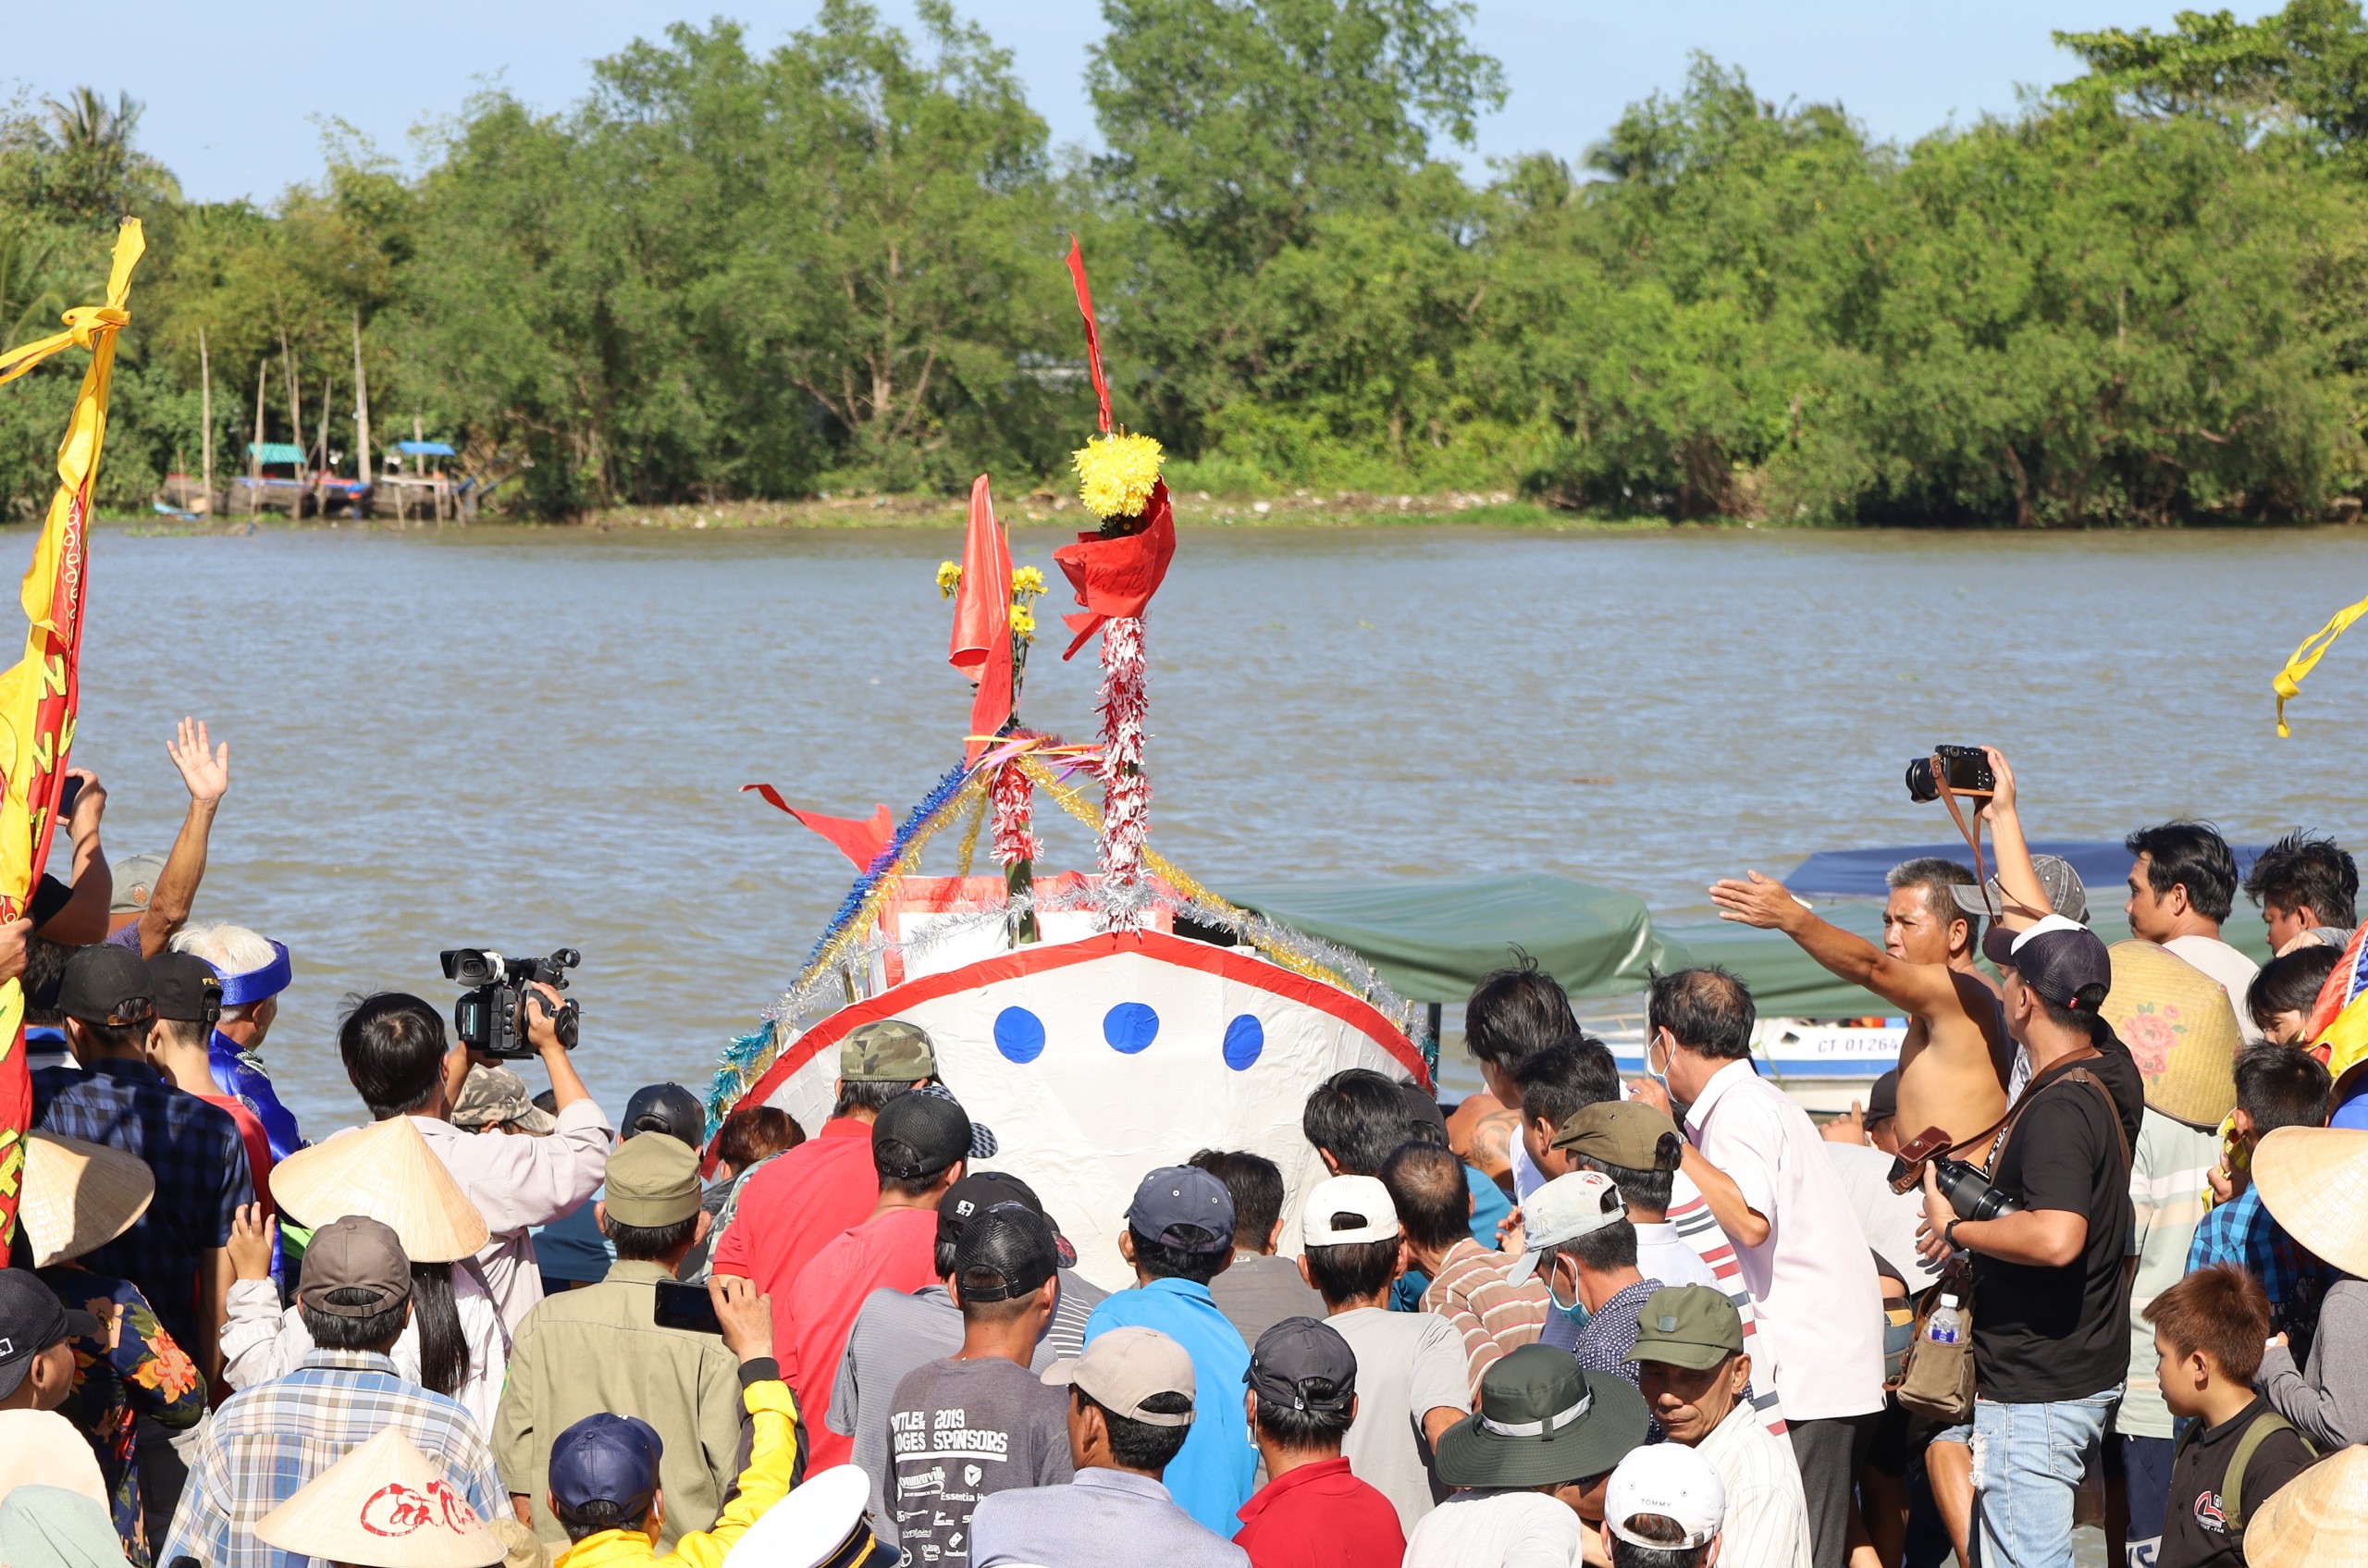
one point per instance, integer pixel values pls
(772, 1462)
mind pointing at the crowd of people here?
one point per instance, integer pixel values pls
(2094, 1252)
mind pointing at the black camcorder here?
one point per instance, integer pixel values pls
(491, 1016)
(1966, 768)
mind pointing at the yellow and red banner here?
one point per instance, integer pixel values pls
(39, 696)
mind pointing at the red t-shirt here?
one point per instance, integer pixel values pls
(896, 1251)
(1320, 1516)
(793, 1207)
(251, 1132)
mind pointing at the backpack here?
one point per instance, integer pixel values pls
(2232, 1480)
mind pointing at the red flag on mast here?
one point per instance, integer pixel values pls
(981, 643)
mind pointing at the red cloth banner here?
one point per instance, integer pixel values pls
(981, 645)
(1092, 337)
(859, 839)
(1117, 578)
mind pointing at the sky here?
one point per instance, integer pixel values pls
(237, 94)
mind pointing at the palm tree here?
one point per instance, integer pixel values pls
(31, 300)
(84, 122)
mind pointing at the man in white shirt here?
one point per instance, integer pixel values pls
(396, 1057)
(1763, 1169)
(1412, 1380)
(1693, 1371)
(2182, 886)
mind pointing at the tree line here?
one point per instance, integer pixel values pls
(832, 266)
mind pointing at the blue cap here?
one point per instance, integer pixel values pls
(1183, 1195)
(607, 1458)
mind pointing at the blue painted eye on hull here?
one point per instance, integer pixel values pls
(1245, 1037)
(1131, 1027)
(1020, 1034)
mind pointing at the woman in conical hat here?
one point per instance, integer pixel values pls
(2317, 1519)
(455, 1342)
(2314, 1181)
(384, 1505)
(77, 1198)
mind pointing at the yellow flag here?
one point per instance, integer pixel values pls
(2288, 681)
(38, 697)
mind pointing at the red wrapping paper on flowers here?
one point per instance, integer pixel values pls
(1116, 578)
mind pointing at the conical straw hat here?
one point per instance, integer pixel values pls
(79, 1196)
(2314, 1180)
(384, 1505)
(2319, 1517)
(388, 1172)
(2180, 1029)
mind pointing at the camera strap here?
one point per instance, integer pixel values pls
(1971, 828)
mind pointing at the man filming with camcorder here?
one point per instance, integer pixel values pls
(401, 1063)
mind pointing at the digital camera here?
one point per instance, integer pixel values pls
(1967, 767)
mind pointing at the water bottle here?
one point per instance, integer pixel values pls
(1946, 1326)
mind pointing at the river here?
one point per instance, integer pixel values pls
(529, 737)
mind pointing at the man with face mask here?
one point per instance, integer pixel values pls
(1581, 1244)
(1692, 1370)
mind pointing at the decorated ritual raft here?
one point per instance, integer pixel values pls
(1105, 1023)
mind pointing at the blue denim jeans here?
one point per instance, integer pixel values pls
(2028, 1461)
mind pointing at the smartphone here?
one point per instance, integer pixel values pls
(1907, 1171)
(66, 795)
(681, 1305)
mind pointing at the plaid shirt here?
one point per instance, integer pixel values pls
(2242, 1231)
(200, 1163)
(267, 1441)
(1610, 1333)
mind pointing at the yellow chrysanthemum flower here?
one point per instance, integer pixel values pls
(949, 577)
(1027, 580)
(1115, 474)
(1023, 620)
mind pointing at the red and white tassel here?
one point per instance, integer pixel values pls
(1126, 789)
(1014, 795)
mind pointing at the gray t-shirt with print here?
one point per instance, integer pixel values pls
(963, 1430)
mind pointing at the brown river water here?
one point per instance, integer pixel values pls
(525, 738)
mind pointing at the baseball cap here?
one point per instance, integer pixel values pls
(497, 1097)
(891, 1051)
(2061, 959)
(134, 871)
(1178, 1196)
(1125, 1366)
(355, 1252)
(1689, 1326)
(1004, 1253)
(106, 984)
(1563, 1210)
(1627, 1133)
(666, 1107)
(653, 1181)
(1883, 1098)
(1673, 1482)
(984, 1143)
(1345, 1209)
(2066, 895)
(607, 1458)
(918, 1135)
(31, 1320)
(184, 988)
(1303, 1363)
(1542, 1422)
(979, 1190)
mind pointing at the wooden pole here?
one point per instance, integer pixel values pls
(320, 491)
(205, 416)
(364, 461)
(255, 449)
(295, 419)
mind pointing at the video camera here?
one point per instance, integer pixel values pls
(1966, 768)
(491, 1017)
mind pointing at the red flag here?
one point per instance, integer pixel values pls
(1092, 337)
(1117, 578)
(859, 839)
(981, 645)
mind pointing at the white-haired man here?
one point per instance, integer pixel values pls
(255, 970)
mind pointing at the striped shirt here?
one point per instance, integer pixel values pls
(1767, 1522)
(1690, 1212)
(1493, 1316)
(267, 1441)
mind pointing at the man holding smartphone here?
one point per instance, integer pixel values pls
(604, 1347)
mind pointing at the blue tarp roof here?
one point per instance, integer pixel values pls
(275, 451)
(1858, 873)
(424, 448)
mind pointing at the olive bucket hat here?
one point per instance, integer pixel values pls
(1543, 1421)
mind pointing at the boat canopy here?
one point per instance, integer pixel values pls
(1433, 938)
(276, 451)
(1858, 873)
(424, 448)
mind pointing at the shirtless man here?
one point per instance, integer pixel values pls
(1952, 1064)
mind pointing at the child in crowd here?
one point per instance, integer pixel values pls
(2277, 1086)
(2282, 995)
(2208, 1334)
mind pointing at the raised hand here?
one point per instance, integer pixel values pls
(204, 769)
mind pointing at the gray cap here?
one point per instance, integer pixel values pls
(2065, 895)
(131, 871)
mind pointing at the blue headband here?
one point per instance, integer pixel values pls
(237, 990)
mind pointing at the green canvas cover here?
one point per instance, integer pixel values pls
(1433, 938)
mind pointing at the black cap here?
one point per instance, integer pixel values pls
(2065, 963)
(1004, 1252)
(918, 1135)
(668, 1108)
(979, 1190)
(1180, 1195)
(31, 1320)
(1302, 1364)
(187, 991)
(1883, 1100)
(104, 984)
